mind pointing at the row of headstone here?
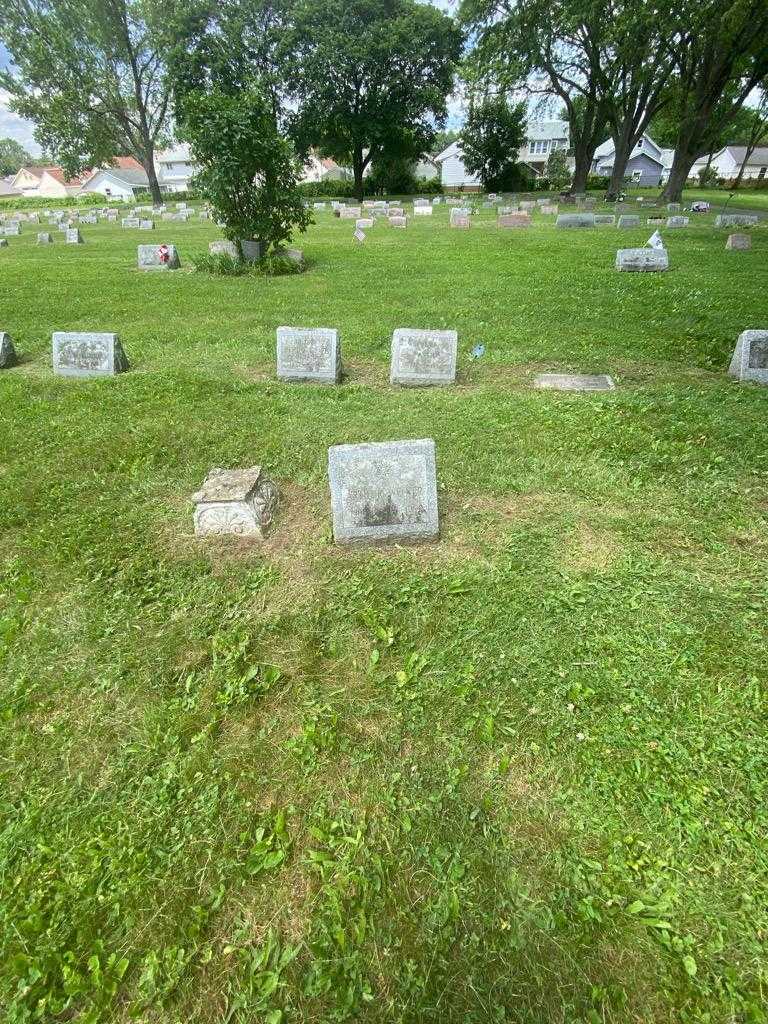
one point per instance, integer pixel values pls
(418, 358)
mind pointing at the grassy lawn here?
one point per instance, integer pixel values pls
(516, 776)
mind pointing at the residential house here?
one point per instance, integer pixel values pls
(122, 181)
(175, 168)
(542, 138)
(667, 159)
(319, 168)
(6, 187)
(426, 168)
(728, 160)
(645, 166)
(47, 182)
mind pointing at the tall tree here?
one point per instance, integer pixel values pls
(13, 157)
(490, 141)
(758, 131)
(637, 65)
(90, 74)
(721, 56)
(369, 78)
(556, 46)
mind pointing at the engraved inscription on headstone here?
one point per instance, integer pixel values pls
(235, 501)
(750, 357)
(647, 260)
(7, 351)
(309, 353)
(677, 222)
(573, 382)
(628, 220)
(87, 354)
(739, 241)
(385, 492)
(422, 358)
(158, 257)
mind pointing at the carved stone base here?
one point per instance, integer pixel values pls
(238, 501)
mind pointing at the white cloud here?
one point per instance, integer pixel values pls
(14, 127)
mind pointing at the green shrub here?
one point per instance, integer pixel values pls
(274, 264)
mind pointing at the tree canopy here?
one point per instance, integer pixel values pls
(490, 141)
(13, 157)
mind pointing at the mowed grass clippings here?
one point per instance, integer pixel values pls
(515, 776)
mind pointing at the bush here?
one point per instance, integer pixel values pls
(275, 264)
(327, 189)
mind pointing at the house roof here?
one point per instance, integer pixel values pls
(130, 176)
(607, 149)
(176, 154)
(453, 150)
(758, 158)
(540, 131)
(58, 175)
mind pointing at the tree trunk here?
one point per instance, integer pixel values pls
(678, 175)
(582, 155)
(740, 175)
(154, 185)
(622, 149)
(357, 169)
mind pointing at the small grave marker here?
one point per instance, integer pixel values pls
(575, 220)
(573, 382)
(157, 257)
(242, 502)
(73, 237)
(677, 222)
(385, 492)
(423, 358)
(750, 357)
(44, 238)
(7, 352)
(87, 354)
(738, 241)
(629, 220)
(642, 260)
(735, 220)
(515, 220)
(309, 353)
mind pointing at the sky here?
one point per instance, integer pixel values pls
(14, 127)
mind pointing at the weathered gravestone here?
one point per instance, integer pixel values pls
(146, 225)
(589, 203)
(655, 220)
(514, 220)
(7, 351)
(674, 207)
(460, 217)
(642, 260)
(251, 250)
(12, 228)
(350, 212)
(750, 357)
(44, 238)
(604, 218)
(575, 220)
(3, 243)
(87, 354)
(398, 220)
(629, 220)
(364, 222)
(422, 211)
(549, 208)
(423, 358)
(157, 257)
(573, 382)
(738, 241)
(309, 353)
(384, 492)
(73, 237)
(527, 205)
(677, 222)
(235, 501)
(735, 220)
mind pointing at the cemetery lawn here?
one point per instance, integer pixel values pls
(515, 776)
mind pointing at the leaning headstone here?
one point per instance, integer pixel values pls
(87, 354)
(44, 238)
(423, 358)
(7, 352)
(385, 492)
(575, 220)
(573, 382)
(677, 222)
(514, 220)
(647, 260)
(73, 237)
(158, 257)
(735, 220)
(604, 218)
(242, 502)
(674, 207)
(146, 225)
(309, 353)
(629, 220)
(750, 357)
(738, 241)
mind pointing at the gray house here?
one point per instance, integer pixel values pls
(645, 165)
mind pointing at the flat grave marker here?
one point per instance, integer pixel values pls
(573, 382)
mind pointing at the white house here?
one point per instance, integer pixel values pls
(727, 161)
(48, 182)
(122, 181)
(324, 169)
(645, 165)
(542, 138)
(175, 168)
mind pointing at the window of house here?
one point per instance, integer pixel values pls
(640, 143)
